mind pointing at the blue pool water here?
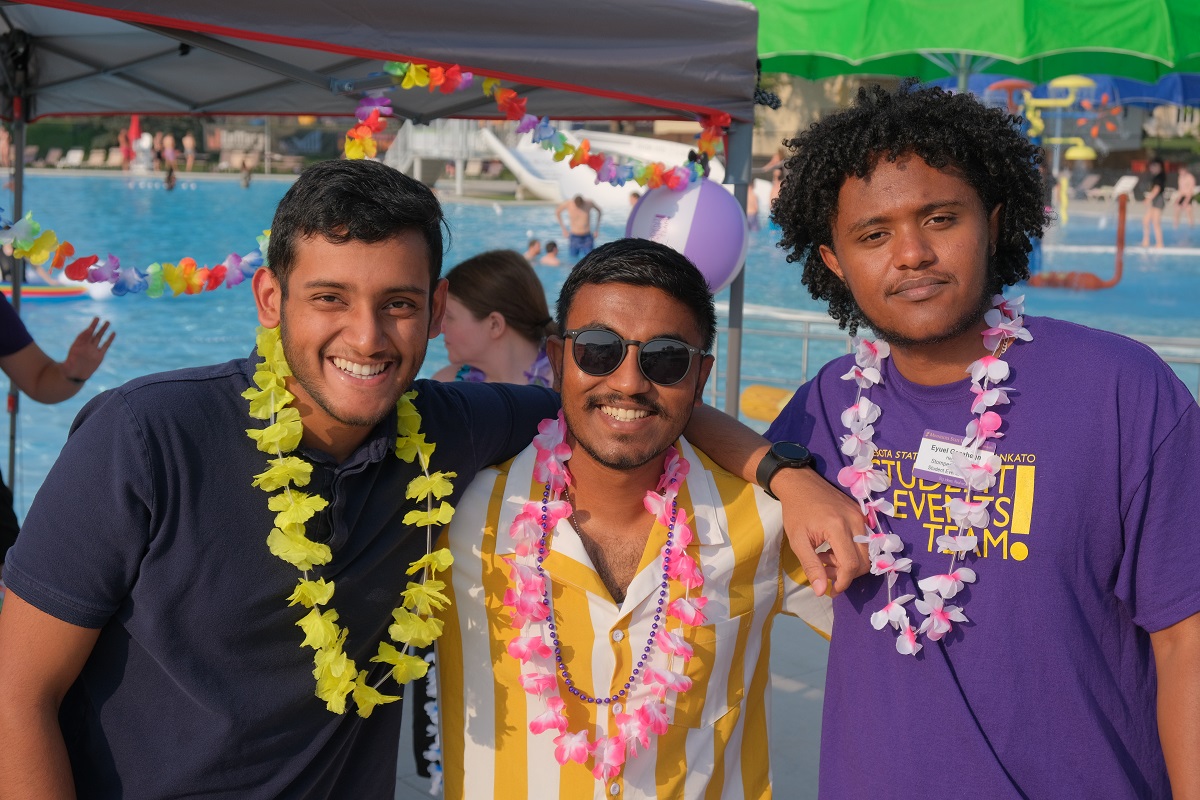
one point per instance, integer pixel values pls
(141, 223)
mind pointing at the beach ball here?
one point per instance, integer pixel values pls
(705, 222)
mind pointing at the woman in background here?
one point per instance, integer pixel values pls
(496, 321)
(495, 331)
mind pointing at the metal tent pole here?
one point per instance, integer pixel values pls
(737, 172)
(18, 273)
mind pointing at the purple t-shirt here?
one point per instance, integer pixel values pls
(1086, 555)
(13, 334)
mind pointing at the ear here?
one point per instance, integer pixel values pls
(555, 351)
(268, 297)
(831, 261)
(437, 307)
(706, 365)
(497, 324)
(994, 227)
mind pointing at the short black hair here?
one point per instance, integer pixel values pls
(348, 200)
(641, 262)
(948, 131)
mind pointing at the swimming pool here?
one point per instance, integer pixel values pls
(141, 223)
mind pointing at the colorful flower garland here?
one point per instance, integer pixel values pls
(414, 622)
(373, 109)
(31, 241)
(1005, 325)
(38, 245)
(530, 604)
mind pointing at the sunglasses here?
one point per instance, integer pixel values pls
(663, 361)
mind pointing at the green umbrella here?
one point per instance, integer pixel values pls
(1033, 39)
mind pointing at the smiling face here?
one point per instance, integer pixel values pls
(355, 323)
(912, 244)
(622, 420)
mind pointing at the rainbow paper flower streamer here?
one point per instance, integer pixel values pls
(31, 241)
(360, 141)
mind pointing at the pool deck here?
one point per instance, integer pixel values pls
(798, 689)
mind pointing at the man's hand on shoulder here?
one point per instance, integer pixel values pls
(816, 514)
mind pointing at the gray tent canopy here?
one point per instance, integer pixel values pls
(611, 60)
(617, 59)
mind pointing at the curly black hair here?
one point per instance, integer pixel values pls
(954, 131)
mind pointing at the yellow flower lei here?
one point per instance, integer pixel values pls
(414, 624)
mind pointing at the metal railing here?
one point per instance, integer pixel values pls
(764, 324)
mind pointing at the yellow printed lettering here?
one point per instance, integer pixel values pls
(911, 482)
(934, 530)
(936, 504)
(999, 540)
(1003, 504)
(1004, 470)
(928, 486)
(919, 502)
(899, 502)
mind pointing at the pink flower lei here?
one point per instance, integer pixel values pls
(1005, 325)
(537, 645)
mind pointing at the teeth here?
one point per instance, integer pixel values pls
(358, 370)
(624, 414)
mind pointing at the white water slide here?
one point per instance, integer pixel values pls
(536, 170)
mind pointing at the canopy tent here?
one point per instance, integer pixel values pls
(624, 59)
(1032, 39)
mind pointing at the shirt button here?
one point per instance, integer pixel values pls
(618, 636)
(616, 707)
(614, 790)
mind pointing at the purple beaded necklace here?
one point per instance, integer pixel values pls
(543, 548)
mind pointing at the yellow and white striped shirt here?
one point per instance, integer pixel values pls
(716, 745)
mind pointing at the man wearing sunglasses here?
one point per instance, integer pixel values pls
(627, 583)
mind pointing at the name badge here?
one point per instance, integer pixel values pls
(935, 458)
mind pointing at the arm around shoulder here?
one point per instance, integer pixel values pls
(814, 513)
(40, 657)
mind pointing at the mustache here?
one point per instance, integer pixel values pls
(642, 402)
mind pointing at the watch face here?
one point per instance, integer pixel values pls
(790, 451)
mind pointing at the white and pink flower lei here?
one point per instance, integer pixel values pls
(537, 645)
(1005, 325)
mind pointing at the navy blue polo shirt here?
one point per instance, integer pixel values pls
(147, 528)
(14, 335)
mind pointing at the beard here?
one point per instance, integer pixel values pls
(955, 327)
(621, 452)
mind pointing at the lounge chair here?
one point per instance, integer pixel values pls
(53, 155)
(31, 154)
(73, 159)
(96, 158)
(1124, 185)
(115, 158)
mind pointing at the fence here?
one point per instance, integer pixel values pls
(766, 329)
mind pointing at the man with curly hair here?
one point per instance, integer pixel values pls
(1031, 626)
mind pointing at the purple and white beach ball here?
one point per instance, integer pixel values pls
(705, 222)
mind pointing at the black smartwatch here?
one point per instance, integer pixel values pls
(782, 455)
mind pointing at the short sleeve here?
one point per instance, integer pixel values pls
(14, 335)
(794, 423)
(1157, 579)
(88, 529)
(501, 419)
